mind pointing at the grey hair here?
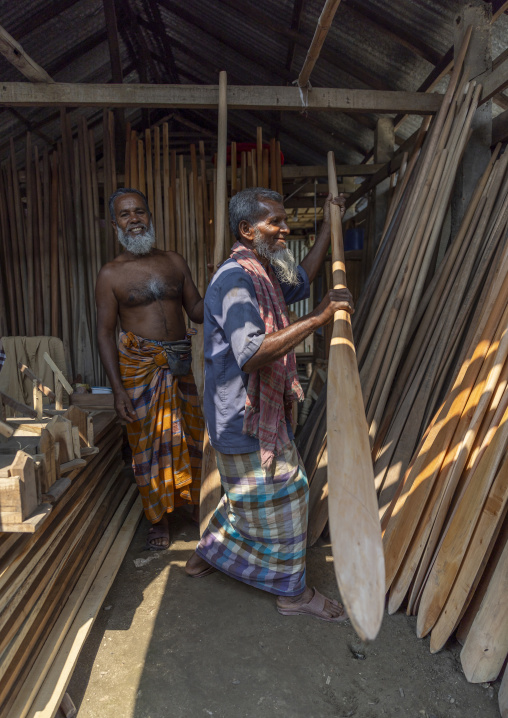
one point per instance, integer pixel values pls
(119, 193)
(246, 205)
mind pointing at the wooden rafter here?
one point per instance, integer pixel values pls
(113, 42)
(323, 26)
(295, 27)
(12, 51)
(158, 29)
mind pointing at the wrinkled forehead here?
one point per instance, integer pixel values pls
(271, 210)
(129, 202)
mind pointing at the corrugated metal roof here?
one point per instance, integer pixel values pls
(371, 43)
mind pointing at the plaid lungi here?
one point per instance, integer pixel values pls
(167, 438)
(258, 533)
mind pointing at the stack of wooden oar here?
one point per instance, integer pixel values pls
(46, 576)
(446, 542)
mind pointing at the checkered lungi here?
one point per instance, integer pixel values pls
(258, 533)
(167, 438)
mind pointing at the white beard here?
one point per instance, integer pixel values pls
(282, 260)
(137, 244)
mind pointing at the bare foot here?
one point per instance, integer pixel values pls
(158, 535)
(198, 567)
(314, 604)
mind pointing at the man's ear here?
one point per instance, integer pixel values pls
(113, 224)
(246, 230)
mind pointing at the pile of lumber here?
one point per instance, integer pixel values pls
(446, 541)
(53, 577)
(56, 234)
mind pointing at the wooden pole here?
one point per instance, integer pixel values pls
(354, 522)
(324, 24)
(210, 476)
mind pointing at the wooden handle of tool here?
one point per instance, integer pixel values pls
(338, 261)
(221, 196)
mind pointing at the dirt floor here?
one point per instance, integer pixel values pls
(168, 645)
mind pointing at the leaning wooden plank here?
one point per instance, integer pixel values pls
(26, 371)
(486, 646)
(210, 477)
(318, 500)
(420, 478)
(22, 409)
(55, 684)
(456, 540)
(58, 374)
(493, 512)
(45, 658)
(354, 521)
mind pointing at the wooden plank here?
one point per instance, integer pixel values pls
(495, 82)
(486, 646)
(45, 658)
(353, 511)
(324, 23)
(240, 97)
(68, 388)
(210, 477)
(22, 409)
(13, 52)
(31, 524)
(493, 512)
(55, 684)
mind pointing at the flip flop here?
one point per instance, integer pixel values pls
(205, 572)
(315, 607)
(156, 532)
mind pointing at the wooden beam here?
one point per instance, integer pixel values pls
(500, 128)
(240, 97)
(295, 26)
(495, 82)
(323, 26)
(13, 51)
(114, 45)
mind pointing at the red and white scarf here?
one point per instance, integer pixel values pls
(273, 388)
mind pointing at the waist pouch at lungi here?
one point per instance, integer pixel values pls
(179, 356)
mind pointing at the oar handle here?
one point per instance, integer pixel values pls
(338, 263)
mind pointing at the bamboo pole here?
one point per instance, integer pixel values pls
(210, 477)
(323, 26)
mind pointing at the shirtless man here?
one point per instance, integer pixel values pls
(146, 289)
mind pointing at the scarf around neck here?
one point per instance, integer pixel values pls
(273, 388)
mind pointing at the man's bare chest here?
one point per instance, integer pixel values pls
(142, 288)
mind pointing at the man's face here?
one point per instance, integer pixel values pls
(133, 224)
(268, 238)
(273, 228)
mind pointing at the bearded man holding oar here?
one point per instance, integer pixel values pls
(258, 532)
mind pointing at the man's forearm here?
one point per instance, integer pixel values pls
(314, 259)
(109, 357)
(280, 343)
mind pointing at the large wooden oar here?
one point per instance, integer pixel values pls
(210, 476)
(352, 504)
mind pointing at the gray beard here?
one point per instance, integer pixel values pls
(137, 244)
(282, 260)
